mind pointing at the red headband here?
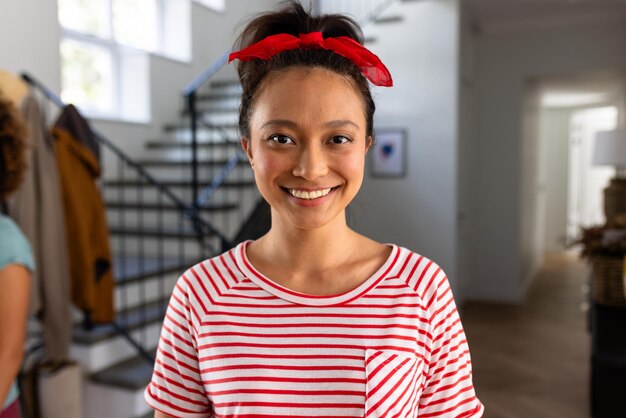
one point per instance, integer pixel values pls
(371, 66)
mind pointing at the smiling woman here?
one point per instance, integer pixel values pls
(312, 319)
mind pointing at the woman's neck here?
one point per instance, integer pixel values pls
(307, 251)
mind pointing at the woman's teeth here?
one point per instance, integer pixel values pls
(301, 194)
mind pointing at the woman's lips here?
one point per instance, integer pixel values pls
(309, 195)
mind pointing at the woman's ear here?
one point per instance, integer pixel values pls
(368, 143)
(245, 144)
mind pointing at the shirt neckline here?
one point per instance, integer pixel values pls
(282, 292)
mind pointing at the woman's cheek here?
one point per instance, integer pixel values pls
(354, 162)
(270, 164)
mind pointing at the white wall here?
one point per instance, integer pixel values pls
(533, 197)
(29, 41)
(464, 173)
(23, 47)
(504, 61)
(554, 139)
(418, 211)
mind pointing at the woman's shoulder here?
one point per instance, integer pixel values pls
(14, 247)
(404, 260)
(418, 271)
(416, 255)
(220, 271)
(8, 228)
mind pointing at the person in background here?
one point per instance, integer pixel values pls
(16, 261)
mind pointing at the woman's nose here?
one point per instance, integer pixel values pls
(311, 164)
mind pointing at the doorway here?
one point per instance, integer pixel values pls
(573, 108)
(585, 206)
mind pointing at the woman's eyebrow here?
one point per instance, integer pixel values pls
(340, 123)
(280, 122)
(291, 124)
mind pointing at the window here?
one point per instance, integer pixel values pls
(104, 51)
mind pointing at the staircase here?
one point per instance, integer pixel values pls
(154, 242)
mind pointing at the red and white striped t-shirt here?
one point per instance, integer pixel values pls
(236, 344)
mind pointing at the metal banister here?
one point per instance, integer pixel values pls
(188, 210)
(213, 68)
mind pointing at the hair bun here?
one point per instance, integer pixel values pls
(293, 19)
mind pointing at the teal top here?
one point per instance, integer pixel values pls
(14, 249)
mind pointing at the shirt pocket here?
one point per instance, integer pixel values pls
(392, 384)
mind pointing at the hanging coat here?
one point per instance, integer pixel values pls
(38, 210)
(86, 228)
(74, 123)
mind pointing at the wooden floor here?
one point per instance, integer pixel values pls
(532, 361)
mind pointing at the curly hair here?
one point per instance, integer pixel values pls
(13, 135)
(293, 19)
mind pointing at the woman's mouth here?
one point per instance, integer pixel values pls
(309, 194)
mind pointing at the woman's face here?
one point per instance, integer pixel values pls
(308, 144)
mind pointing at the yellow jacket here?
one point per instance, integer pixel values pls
(86, 228)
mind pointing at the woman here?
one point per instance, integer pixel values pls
(16, 262)
(312, 319)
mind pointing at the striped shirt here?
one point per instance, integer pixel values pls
(237, 344)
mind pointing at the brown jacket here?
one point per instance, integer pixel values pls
(86, 228)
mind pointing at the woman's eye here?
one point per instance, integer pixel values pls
(339, 139)
(281, 139)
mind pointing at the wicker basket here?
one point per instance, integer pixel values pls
(608, 280)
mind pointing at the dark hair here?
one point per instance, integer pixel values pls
(12, 149)
(294, 20)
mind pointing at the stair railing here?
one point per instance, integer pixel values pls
(201, 197)
(203, 226)
(131, 269)
(190, 95)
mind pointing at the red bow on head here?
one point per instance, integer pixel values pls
(371, 66)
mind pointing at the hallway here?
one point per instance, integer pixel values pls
(533, 360)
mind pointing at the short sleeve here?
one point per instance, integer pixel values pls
(448, 388)
(14, 248)
(176, 387)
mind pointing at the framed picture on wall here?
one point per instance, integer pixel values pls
(388, 157)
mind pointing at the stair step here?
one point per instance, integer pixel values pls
(97, 356)
(225, 83)
(212, 111)
(170, 183)
(153, 231)
(171, 127)
(388, 19)
(129, 269)
(130, 319)
(214, 207)
(105, 401)
(209, 97)
(185, 163)
(132, 374)
(187, 144)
